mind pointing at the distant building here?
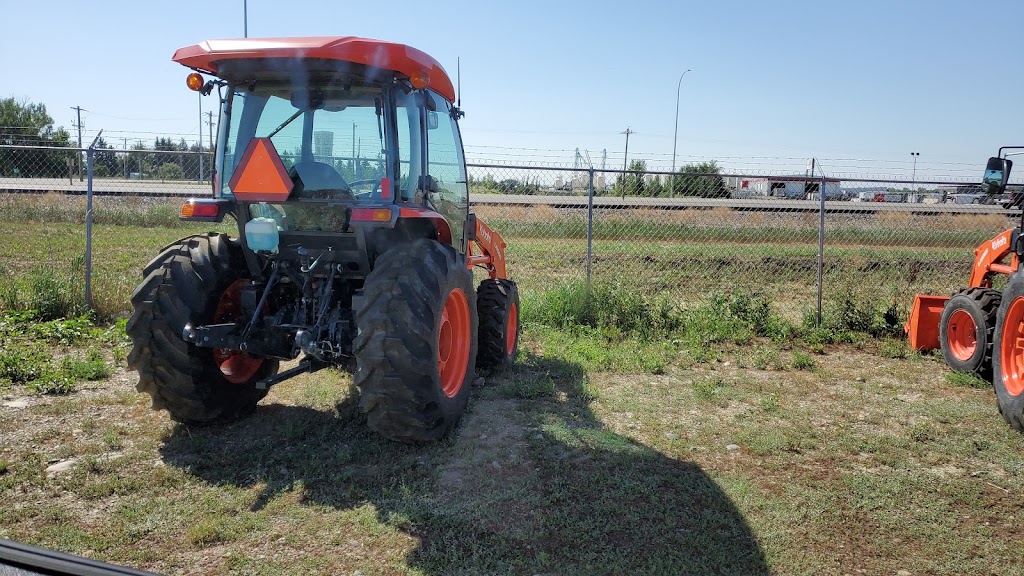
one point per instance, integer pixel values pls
(323, 144)
(792, 187)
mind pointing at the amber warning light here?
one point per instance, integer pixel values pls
(420, 80)
(194, 81)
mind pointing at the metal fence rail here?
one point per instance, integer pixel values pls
(800, 240)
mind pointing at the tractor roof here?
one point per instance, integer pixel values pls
(400, 58)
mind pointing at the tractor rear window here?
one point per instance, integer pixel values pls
(331, 144)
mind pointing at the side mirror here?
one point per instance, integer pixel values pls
(997, 172)
(428, 183)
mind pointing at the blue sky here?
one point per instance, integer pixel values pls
(858, 84)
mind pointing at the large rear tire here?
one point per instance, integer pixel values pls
(417, 339)
(1008, 363)
(966, 330)
(497, 302)
(194, 281)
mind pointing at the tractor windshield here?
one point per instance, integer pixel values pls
(331, 143)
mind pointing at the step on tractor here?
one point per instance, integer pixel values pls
(341, 161)
(980, 329)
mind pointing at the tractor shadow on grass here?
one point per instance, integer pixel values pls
(531, 483)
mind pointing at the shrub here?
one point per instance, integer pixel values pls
(615, 311)
(21, 364)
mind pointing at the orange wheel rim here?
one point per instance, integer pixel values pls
(512, 330)
(1011, 353)
(453, 343)
(962, 335)
(236, 366)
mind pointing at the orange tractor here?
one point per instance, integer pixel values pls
(341, 162)
(980, 329)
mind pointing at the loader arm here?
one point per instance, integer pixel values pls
(491, 246)
(989, 257)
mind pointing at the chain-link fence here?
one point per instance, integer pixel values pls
(794, 238)
(798, 239)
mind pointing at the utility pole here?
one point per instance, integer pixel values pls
(79, 126)
(200, 179)
(625, 159)
(125, 162)
(245, 19)
(209, 124)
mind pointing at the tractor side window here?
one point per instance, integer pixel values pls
(447, 165)
(410, 145)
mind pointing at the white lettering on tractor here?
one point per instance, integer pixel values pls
(999, 243)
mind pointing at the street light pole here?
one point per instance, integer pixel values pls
(245, 18)
(913, 178)
(675, 136)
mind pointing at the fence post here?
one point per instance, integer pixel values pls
(821, 247)
(590, 222)
(88, 225)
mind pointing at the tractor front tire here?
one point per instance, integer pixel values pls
(497, 303)
(417, 341)
(1008, 361)
(966, 330)
(193, 281)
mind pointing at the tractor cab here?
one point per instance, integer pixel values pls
(329, 134)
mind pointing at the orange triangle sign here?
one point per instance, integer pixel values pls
(260, 176)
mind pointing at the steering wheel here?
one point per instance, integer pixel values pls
(374, 181)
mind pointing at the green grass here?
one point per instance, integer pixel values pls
(967, 380)
(682, 416)
(802, 361)
(742, 464)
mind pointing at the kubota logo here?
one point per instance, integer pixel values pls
(999, 243)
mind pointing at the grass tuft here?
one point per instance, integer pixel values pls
(965, 380)
(802, 361)
(708, 389)
(92, 367)
(613, 310)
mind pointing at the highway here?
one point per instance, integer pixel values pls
(153, 188)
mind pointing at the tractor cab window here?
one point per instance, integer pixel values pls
(331, 143)
(446, 164)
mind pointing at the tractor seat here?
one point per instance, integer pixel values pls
(317, 180)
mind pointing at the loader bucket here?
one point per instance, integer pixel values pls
(923, 326)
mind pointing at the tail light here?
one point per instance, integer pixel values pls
(200, 210)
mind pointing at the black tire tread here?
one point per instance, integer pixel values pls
(493, 300)
(1010, 407)
(182, 285)
(397, 372)
(987, 301)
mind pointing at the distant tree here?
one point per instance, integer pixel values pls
(655, 188)
(26, 124)
(703, 179)
(632, 183)
(140, 160)
(515, 186)
(105, 158)
(169, 171)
